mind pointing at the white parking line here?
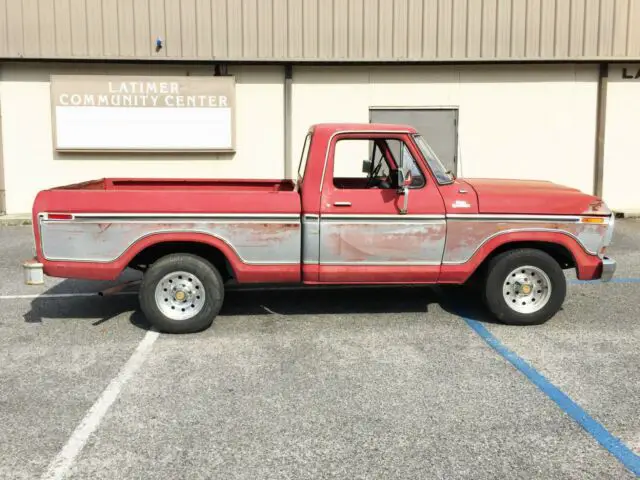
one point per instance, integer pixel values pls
(67, 456)
(60, 295)
(231, 289)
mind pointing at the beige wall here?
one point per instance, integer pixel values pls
(622, 141)
(31, 164)
(514, 121)
(532, 122)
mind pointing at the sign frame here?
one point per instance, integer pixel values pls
(227, 89)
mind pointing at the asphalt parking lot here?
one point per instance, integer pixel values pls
(336, 383)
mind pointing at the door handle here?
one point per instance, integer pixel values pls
(342, 204)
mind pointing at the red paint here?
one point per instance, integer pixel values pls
(528, 197)
(317, 196)
(373, 275)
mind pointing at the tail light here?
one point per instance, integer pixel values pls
(59, 216)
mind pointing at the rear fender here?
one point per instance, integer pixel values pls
(157, 238)
(111, 270)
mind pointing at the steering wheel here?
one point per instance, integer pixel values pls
(372, 179)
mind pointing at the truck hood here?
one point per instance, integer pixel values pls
(534, 197)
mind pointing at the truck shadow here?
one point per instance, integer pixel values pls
(253, 302)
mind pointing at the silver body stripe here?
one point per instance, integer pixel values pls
(332, 239)
(465, 238)
(105, 240)
(393, 240)
(311, 239)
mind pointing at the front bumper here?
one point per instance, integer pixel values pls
(608, 269)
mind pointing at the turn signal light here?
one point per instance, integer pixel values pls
(599, 220)
(59, 216)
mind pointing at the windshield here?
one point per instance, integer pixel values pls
(440, 172)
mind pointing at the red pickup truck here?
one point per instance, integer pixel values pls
(371, 204)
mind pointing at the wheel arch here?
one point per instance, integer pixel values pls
(564, 248)
(559, 252)
(150, 249)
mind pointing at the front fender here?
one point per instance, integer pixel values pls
(587, 264)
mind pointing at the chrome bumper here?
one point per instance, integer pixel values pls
(608, 269)
(33, 272)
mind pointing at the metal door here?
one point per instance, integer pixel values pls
(439, 126)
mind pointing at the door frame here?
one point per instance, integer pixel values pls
(427, 224)
(457, 165)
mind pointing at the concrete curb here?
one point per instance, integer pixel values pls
(631, 214)
(15, 220)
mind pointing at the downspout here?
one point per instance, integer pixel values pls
(601, 115)
(3, 205)
(288, 83)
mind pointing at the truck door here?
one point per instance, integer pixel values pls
(365, 237)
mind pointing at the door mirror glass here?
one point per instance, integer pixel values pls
(408, 179)
(403, 180)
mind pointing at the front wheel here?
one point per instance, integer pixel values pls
(181, 293)
(524, 287)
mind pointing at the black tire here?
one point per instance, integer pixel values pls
(202, 271)
(501, 266)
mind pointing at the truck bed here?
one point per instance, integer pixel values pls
(94, 229)
(174, 196)
(181, 184)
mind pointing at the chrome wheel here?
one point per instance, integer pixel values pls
(526, 289)
(180, 295)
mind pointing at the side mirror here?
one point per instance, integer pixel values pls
(366, 166)
(404, 182)
(408, 179)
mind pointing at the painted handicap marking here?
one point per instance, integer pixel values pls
(613, 444)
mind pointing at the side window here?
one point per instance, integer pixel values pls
(409, 164)
(373, 163)
(302, 165)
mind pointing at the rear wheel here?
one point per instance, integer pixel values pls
(181, 293)
(524, 287)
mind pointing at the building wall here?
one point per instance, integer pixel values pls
(31, 164)
(533, 122)
(622, 139)
(321, 30)
(522, 121)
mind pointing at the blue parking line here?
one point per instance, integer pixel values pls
(618, 449)
(613, 280)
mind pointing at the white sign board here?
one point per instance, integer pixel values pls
(107, 113)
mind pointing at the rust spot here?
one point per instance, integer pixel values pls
(266, 233)
(356, 243)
